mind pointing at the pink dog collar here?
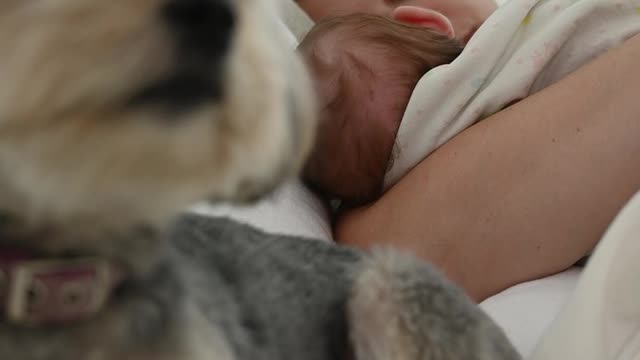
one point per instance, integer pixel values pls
(35, 291)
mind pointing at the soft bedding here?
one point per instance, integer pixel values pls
(526, 311)
(601, 319)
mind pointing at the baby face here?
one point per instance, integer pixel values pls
(460, 18)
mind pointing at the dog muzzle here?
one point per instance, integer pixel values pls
(38, 291)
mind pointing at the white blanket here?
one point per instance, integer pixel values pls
(601, 320)
(523, 47)
(526, 311)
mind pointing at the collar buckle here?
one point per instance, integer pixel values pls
(42, 292)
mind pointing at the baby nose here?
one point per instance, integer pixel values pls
(201, 26)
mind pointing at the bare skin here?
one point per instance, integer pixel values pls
(525, 193)
(461, 17)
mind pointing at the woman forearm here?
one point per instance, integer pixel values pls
(526, 192)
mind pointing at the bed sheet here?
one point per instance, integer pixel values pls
(526, 311)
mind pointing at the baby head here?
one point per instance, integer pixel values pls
(365, 68)
(457, 17)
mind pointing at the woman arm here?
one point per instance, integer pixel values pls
(524, 193)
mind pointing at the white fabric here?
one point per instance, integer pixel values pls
(298, 22)
(601, 321)
(290, 17)
(523, 47)
(288, 35)
(526, 311)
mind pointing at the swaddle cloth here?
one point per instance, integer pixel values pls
(523, 47)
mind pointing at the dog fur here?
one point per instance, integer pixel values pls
(86, 171)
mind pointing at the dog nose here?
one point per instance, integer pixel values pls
(202, 26)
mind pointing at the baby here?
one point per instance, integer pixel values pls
(366, 68)
(372, 110)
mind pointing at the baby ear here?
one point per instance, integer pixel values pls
(424, 17)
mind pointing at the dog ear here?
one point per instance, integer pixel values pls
(403, 309)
